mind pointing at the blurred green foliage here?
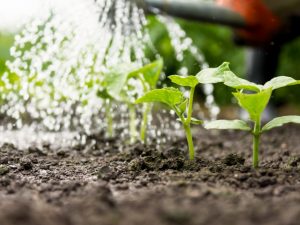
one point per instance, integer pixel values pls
(6, 41)
(289, 66)
(215, 43)
(212, 41)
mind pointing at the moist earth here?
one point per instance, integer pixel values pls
(154, 184)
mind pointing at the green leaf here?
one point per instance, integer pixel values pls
(212, 75)
(170, 96)
(104, 94)
(151, 72)
(196, 121)
(15, 78)
(279, 82)
(254, 104)
(185, 81)
(182, 106)
(114, 82)
(193, 121)
(231, 80)
(279, 121)
(227, 124)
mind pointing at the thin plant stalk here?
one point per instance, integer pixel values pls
(190, 109)
(144, 126)
(109, 119)
(187, 125)
(189, 139)
(256, 137)
(132, 124)
(146, 112)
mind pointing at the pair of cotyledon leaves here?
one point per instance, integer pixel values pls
(254, 103)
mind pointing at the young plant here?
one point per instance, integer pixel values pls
(183, 107)
(254, 99)
(118, 88)
(149, 76)
(112, 86)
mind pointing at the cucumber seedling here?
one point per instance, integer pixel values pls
(116, 87)
(149, 76)
(253, 98)
(183, 107)
(112, 86)
(175, 100)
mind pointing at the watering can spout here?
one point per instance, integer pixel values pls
(256, 22)
(201, 10)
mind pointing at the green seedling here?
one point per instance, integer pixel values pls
(254, 99)
(175, 100)
(149, 76)
(117, 88)
(112, 85)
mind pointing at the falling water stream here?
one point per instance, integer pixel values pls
(59, 60)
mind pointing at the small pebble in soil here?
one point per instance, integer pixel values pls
(241, 177)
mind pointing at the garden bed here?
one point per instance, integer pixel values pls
(143, 185)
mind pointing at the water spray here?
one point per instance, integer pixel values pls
(205, 11)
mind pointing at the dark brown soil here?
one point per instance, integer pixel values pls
(143, 185)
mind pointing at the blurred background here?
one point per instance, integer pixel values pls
(215, 42)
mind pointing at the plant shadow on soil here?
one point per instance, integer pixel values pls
(143, 185)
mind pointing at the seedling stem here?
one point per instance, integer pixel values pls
(187, 124)
(109, 118)
(256, 138)
(132, 125)
(146, 113)
(253, 98)
(189, 138)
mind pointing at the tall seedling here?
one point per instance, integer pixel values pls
(175, 100)
(254, 99)
(183, 107)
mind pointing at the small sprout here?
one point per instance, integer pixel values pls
(113, 84)
(254, 103)
(116, 87)
(175, 99)
(149, 76)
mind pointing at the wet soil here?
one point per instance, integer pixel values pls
(98, 184)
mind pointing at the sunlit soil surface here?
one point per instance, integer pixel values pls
(99, 184)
